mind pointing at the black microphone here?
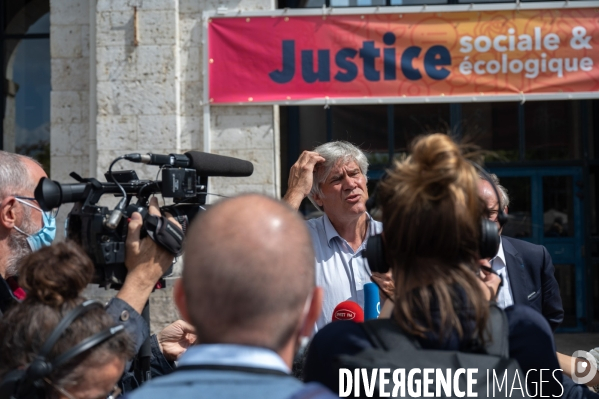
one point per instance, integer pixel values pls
(207, 164)
(175, 160)
(204, 163)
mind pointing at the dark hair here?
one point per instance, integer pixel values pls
(431, 224)
(54, 278)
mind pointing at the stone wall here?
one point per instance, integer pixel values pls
(137, 80)
(69, 99)
(143, 92)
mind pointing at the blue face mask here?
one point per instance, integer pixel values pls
(45, 236)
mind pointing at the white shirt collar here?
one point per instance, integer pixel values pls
(500, 253)
(233, 355)
(331, 232)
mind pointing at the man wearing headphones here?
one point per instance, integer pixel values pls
(527, 270)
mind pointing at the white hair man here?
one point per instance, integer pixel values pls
(23, 225)
(333, 177)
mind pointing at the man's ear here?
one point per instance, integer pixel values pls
(505, 210)
(180, 301)
(316, 198)
(8, 214)
(313, 312)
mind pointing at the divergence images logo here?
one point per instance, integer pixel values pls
(584, 367)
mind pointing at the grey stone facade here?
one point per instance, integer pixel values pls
(127, 77)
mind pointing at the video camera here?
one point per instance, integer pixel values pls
(102, 232)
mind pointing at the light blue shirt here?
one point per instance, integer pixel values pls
(213, 383)
(233, 355)
(504, 296)
(340, 271)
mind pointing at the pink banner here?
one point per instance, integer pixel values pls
(278, 59)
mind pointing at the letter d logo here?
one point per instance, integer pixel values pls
(583, 371)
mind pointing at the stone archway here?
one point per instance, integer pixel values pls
(19, 17)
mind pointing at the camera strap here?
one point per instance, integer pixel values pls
(165, 233)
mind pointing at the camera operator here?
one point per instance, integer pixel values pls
(39, 338)
(25, 228)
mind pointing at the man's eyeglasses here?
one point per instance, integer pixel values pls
(23, 200)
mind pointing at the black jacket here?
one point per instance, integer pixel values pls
(532, 279)
(7, 298)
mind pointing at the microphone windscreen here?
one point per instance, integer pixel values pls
(372, 301)
(348, 310)
(207, 164)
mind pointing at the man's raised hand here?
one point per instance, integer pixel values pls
(301, 177)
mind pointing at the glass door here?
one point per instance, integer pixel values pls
(546, 208)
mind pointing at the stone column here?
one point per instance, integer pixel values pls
(137, 80)
(69, 99)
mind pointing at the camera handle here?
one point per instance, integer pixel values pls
(165, 233)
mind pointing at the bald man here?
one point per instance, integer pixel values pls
(248, 288)
(527, 269)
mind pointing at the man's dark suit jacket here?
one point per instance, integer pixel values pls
(532, 278)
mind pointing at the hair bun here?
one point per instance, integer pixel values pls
(55, 274)
(437, 153)
(436, 162)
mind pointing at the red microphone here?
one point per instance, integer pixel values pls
(348, 310)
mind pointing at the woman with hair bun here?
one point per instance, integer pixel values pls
(54, 278)
(431, 214)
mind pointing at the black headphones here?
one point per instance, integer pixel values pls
(29, 383)
(488, 244)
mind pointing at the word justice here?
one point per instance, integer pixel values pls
(435, 59)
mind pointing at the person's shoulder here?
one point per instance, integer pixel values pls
(157, 388)
(315, 223)
(523, 247)
(313, 390)
(334, 339)
(516, 242)
(527, 321)
(184, 383)
(317, 231)
(344, 335)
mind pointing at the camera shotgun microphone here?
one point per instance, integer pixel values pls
(174, 160)
(348, 310)
(204, 163)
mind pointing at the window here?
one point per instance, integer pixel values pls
(493, 127)
(25, 56)
(551, 130)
